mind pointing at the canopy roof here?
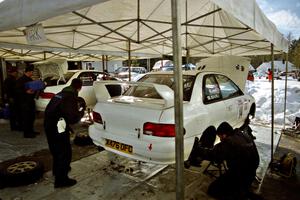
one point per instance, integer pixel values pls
(112, 27)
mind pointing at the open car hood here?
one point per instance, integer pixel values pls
(50, 68)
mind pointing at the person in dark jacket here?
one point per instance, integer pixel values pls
(10, 97)
(63, 109)
(26, 103)
(242, 159)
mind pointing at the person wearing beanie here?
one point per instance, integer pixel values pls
(240, 154)
(64, 109)
(26, 103)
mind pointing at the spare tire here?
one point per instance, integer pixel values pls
(20, 172)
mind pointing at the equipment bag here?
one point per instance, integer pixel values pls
(287, 166)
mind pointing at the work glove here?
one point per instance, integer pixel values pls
(61, 125)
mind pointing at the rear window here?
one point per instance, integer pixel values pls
(163, 79)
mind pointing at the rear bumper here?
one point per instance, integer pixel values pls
(154, 152)
(41, 104)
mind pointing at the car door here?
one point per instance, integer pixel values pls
(212, 100)
(233, 99)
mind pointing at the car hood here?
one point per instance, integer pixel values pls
(50, 68)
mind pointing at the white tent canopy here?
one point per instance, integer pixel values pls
(112, 27)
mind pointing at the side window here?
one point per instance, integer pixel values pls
(228, 88)
(88, 78)
(211, 91)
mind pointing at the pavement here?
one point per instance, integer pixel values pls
(103, 175)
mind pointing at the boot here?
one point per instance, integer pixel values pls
(67, 182)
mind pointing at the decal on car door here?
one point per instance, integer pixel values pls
(240, 108)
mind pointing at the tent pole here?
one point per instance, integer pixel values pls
(187, 59)
(129, 59)
(178, 94)
(285, 87)
(272, 102)
(148, 64)
(186, 33)
(103, 63)
(106, 63)
(138, 21)
(3, 75)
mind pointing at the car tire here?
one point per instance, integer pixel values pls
(20, 172)
(83, 140)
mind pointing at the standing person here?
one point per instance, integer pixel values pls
(242, 159)
(63, 109)
(25, 103)
(11, 98)
(270, 74)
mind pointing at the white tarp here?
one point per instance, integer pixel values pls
(18, 13)
(99, 27)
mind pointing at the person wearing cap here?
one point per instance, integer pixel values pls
(26, 103)
(10, 97)
(64, 109)
(242, 160)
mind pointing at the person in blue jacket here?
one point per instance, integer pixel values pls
(64, 109)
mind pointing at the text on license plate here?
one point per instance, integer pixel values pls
(119, 146)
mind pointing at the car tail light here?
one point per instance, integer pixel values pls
(47, 95)
(159, 130)
(97, 118)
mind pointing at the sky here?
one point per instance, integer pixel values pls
(285, 14)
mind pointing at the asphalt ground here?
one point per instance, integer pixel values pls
(99, 178)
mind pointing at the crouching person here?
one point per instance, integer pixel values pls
(63, 109)
(242, 159)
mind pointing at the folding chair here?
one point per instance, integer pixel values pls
(215, 169)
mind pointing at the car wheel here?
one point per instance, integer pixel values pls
(20, 172)
(207, 140)
(83, 140)
(208, 137)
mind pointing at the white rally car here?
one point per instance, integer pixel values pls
(55, 84)
(139, 124)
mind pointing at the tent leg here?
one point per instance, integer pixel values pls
(129, 59)
(272, 103)
(285, 87)
(178, 96)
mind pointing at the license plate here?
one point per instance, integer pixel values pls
(119, 146)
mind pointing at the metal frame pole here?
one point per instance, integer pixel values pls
(129, 59)
(106, 63)
(285, 87)
(272, 103)
(148, 65)
(103, 63)
(178, 94)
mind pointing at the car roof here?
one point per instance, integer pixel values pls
(187, 72)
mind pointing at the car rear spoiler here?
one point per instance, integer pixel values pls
(105, 90)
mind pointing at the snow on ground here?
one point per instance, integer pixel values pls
(260, 89)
